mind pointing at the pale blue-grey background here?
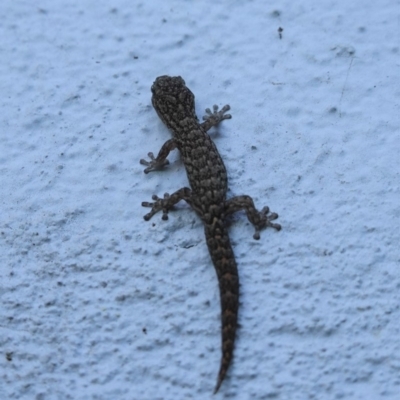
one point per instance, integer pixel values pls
(96, 303)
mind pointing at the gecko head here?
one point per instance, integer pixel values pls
(172, 100)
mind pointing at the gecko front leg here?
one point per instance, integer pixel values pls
(161, 160)
(215, 117)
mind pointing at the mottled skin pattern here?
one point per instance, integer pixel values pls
(206, 172)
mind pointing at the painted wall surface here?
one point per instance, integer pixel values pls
(96, 303)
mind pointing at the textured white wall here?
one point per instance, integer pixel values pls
(96, 303)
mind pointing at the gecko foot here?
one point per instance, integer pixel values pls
(214, 117)
(153, 164)
(264, 221)
(158, 205)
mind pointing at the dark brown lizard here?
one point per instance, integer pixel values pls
(206, 172)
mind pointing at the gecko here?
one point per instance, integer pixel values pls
(207, 195)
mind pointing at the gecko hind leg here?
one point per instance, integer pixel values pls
(259, 219)
(166, 203)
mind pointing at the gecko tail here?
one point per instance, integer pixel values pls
(229, 323)
(228, 281)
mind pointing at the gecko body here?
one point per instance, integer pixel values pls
(206, 172)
